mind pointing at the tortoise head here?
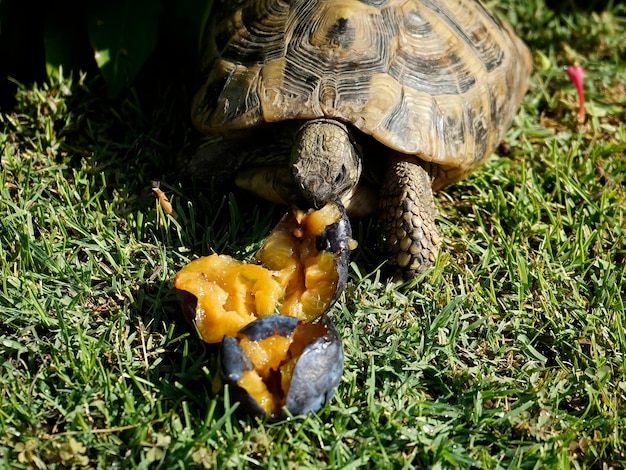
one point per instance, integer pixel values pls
(325, 163)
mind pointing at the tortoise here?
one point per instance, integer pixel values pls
(377, 103)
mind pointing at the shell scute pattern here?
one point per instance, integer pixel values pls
(437, 79)
(432, 62)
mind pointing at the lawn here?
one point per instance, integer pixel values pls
(509, 353)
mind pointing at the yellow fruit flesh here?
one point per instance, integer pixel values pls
(266, 354)
(293, 278)
(230, 294)
(317, 221)
(254, 385)
(311, 274)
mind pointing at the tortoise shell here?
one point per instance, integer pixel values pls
(439, 79)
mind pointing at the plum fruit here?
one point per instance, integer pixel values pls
(279, 350)
(281, 362)
(301, 271)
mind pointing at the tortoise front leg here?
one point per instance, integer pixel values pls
(408, 213)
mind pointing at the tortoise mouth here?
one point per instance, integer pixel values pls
(316, 190)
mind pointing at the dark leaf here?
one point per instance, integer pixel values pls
(123, 34)
(66, 41)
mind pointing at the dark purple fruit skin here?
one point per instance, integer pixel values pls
(335, 239)
(316, 375)
(188, 303)
(317, 372)
(269, 325)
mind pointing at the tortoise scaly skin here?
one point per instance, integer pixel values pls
(374, 102)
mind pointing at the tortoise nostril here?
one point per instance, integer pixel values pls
(312, 183)
(341, 176)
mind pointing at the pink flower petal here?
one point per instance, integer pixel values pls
(576, 74)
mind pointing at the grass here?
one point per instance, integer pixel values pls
(508, 354)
